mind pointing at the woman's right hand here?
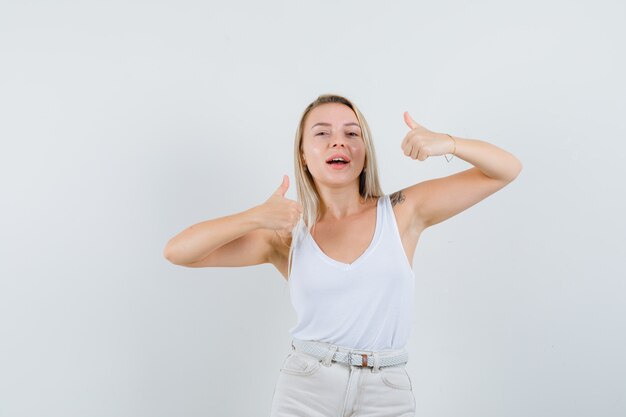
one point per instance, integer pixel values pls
(240, 239)
(279, 213)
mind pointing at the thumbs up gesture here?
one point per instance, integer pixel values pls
(280, 213)
(420, 143)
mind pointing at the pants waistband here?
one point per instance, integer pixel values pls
(354, 357)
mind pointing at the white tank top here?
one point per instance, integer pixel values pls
(366, 305)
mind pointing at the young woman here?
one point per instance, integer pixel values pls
(346, 250)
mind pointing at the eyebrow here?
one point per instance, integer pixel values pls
(328, 124)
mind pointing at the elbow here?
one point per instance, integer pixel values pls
(177, 255)
(513, 170)
(516, 169)
(168, 253)
(171, 254)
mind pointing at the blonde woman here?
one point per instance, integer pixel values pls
(346, 250)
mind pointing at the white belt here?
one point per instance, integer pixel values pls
(351, 357)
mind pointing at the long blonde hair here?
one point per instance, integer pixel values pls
(369, 185)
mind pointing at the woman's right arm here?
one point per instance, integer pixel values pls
(241, 239)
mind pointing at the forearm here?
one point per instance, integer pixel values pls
(494, 162)
(199, 240)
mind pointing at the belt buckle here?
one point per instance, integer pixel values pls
(364, 360)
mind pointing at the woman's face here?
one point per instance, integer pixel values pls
(332, 131)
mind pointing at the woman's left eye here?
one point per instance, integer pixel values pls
(353, 134)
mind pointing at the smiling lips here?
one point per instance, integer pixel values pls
(338, 159)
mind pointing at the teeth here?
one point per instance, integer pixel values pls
(338, 159)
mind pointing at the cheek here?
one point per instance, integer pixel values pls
(358, 151)
(305, 150)
(312, 153)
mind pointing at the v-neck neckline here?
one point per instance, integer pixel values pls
(362, 256)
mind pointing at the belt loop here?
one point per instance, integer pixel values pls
(329, 355)
(376, 367)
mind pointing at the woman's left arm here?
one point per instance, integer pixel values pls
(436, 200)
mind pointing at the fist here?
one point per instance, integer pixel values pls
(420, 143)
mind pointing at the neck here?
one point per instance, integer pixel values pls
(338, 203)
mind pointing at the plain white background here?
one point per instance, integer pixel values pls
(124, 122)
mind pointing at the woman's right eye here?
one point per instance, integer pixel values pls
(320, 133)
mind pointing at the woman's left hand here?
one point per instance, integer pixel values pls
(420, 143)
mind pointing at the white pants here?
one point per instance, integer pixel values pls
(307, 387)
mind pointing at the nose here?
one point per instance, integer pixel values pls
(338, 139)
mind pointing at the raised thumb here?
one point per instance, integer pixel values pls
(283, 187)
(409, 121)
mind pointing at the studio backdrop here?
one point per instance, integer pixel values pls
(124, 122)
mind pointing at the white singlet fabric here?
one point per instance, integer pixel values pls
(365, 305)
